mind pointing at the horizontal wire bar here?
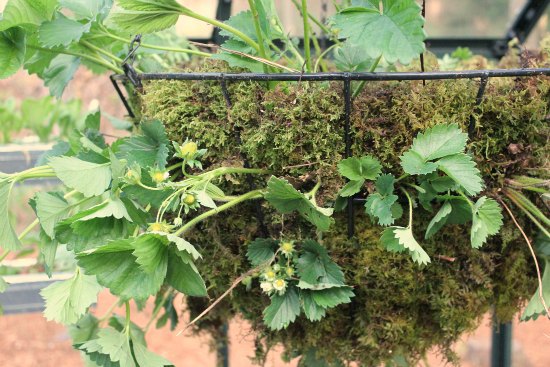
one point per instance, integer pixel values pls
(432, 75)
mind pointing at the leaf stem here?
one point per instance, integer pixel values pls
(410, 206)
(109, 312)
(95, 60)
(4, 255)
(156, 310)
(256, 194)
(321, 56)
(528, 214)
(361, 85)
(128, 314)
(259, 34)
(307, 34)
(101, 51)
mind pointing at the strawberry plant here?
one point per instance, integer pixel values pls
(183, 207)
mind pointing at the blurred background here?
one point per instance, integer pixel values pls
(30, 121)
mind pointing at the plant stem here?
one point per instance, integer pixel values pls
(259, 34)
(156, 311)
(402, 177)
(158, 47)
(321, 56)
(216, 23)
(28, 229)
(307, 33)
(127, 325)
(527, 204)
(174, 166)
(363, 82)
(101, 51)
(256, 194)
(4, 255)
(467, 199)
(95, 60)
(109, 312)
(410, 206)
(317, 22)
(527, 213)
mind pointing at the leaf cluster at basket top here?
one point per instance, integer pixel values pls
(52, 38)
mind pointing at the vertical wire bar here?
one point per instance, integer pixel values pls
(479, 98)
(347, 139)
(501, 350)
(122, 97)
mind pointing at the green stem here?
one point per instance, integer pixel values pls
(128, 314)
(256, 194)
(174, 166)
(231, 170)
(307, 33)
(527, 204)
(259, 34)
(363, 82)
(149, 187)
(531, 216)
(156, 311)
(321, 57)
(410, 206)
(101, 51)
(317, 22)
(95, 60)
(216, 23)
(402, 177)
(467, 199)
(315, 189)
(109, 312)
(158, 47)
(4, 255)
(28, 229)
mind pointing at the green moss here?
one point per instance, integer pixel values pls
(297, 130)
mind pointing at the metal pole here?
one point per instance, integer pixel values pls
(501, 351)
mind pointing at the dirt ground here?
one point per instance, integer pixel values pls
(28, 340)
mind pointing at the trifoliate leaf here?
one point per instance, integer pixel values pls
(149, 149)
(116, 268)
(61, 31)
(67, 301)
(26, 12)
(151, 253)
(141, 16)
(357, 169)
(316, 268)
(380, 203)
(535, 308)
(81, 236)
(181, 244)
(439, 220)
(394, 31)
(91, 179)
(8, 237)
(399, 239)
(51, 208)
(486, 220)
(312, 310)
(332, 297)
(59, 73)
(261, 250)
(12, 51)
(351, 188)
(112, 207)
(145, 357)
(184, 276)
(283, 309)
(354, 58)
(286, 199)
(462, 169)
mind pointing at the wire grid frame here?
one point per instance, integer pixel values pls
(346, 78)
(502, 334)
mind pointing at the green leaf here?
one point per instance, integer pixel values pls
(144, 357)
(261, 250)
(85, 329)
(146, 16)
(244, 22)
(59, 73)
(351, 188)
(61, 31)
(439, 141)
(286, 199)
(399, 239)
(91, 179)
(112, 207)
(26, 12)
(151, 253)
(51, 208)
(380, 203)
(535, 308)
(462, 169)
(149, 149)
(117, 345)
(486, 220)
(3, 285)
(12, 51)
(283, 309)
(394, 32)
(81, 236)
(184, 276)
(236, 60)
(67, 301)
(357, 169)
(353, 58)
(8, 237)
(414, 164)
(316, 268)
(332, 297)
(87, 9)
(117, 269)
(439, 220)
(312, 310)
